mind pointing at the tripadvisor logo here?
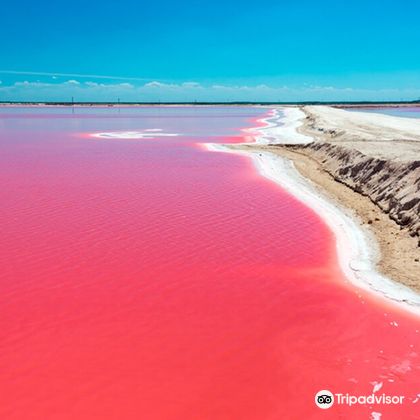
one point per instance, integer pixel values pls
(324, 399)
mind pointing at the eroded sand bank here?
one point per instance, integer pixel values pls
(374, 251)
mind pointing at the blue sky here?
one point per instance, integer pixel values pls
(218, 50)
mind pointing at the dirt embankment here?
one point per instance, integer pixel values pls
(369, 164)
(394, 186)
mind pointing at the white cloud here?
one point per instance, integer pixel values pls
(246, 88)
(191, 85)
(125, 85)
(109, 85)
(156, 84)
(191, 91)
(92, 84)
(72, 82)
(184, 85)
(31, 84)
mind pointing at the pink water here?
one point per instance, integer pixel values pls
(153, 279)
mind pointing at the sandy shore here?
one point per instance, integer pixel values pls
(376, 135)
(374, 252)
(362, 126)
(375, 155)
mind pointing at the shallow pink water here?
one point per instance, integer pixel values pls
(152, 279)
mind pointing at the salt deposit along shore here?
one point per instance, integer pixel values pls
(374, 252)
(282, 124)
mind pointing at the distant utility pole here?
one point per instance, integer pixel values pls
(72, 105)
(118, 105)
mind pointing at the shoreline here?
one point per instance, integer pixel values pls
(359, 251)
(284, 124)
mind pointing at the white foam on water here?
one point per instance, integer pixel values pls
(145, 134)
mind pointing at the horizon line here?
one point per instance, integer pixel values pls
(416, 101)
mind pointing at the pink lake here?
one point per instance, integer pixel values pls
(149, 278)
